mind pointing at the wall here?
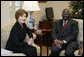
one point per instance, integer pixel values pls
(4, 14)
(58, 6)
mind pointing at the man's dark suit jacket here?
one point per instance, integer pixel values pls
(69, 33)
(17, 35)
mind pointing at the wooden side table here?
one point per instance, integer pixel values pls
(44, 31)
(40, 41)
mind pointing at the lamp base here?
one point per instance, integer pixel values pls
(31, 22)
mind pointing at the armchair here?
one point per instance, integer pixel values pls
(5, 35)
(78, 52)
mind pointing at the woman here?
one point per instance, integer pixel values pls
(17, 35)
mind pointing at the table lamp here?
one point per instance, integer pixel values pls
(31, 6)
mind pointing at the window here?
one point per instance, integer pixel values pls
(10, 9)
(14, 6)
(18, 5)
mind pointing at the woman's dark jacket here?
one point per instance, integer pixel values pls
(16, 38)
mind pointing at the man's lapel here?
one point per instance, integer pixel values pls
(68, 23)
(60, 27)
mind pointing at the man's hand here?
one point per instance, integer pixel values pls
(58, 43)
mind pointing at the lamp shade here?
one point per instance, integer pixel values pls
(30, 6)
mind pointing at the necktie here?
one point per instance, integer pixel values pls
(64, 24)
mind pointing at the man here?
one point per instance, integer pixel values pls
(65, 35)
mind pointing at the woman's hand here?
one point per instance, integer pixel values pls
(30, 41)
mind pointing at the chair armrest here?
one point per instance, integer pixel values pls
(27, 37)
(34, 36)
(80, 48)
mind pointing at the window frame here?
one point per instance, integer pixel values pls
(12, 8)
